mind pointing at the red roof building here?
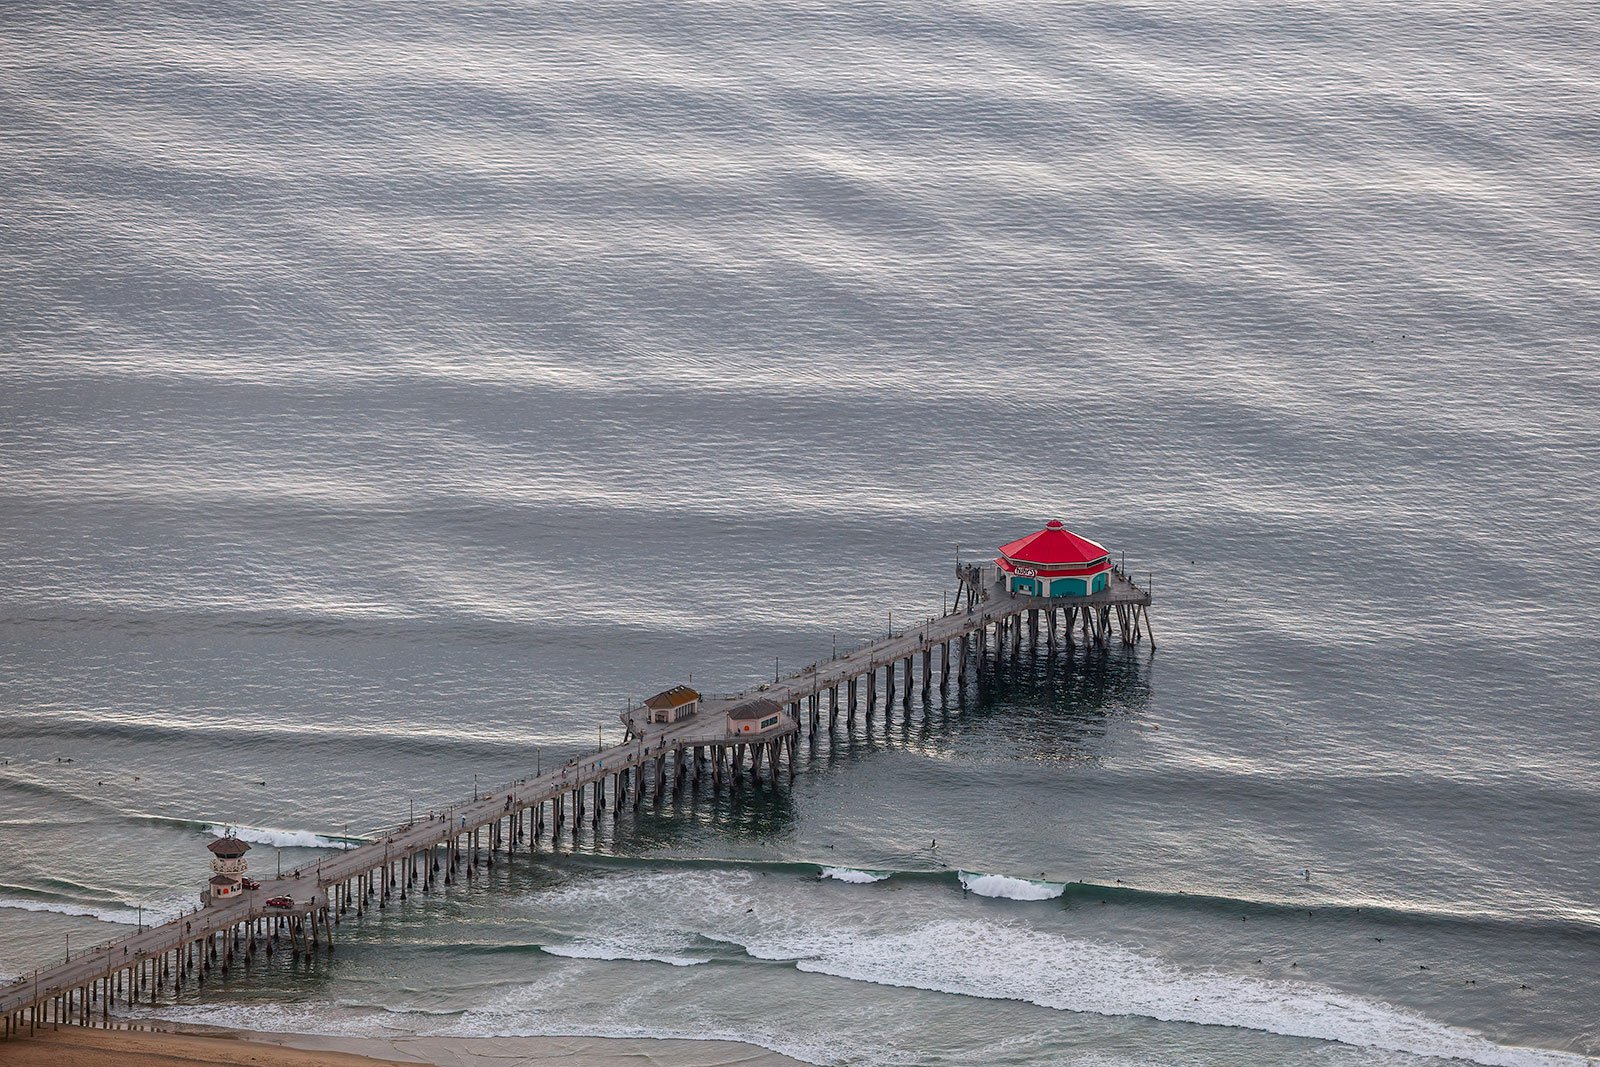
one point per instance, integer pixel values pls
(1054, 562)
(229, 847)
(673, 704)
(755, 716)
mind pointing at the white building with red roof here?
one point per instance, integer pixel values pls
(1054, 562)
(755, 716)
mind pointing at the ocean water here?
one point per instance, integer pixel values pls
(390, 392)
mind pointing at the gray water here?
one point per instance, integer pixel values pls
(388, 393)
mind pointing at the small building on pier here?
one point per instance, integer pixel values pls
(673, 704)
(755, 716)
(223, 886)
(1054, 562)
(227, 865)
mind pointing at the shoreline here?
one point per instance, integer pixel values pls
(162, 1044)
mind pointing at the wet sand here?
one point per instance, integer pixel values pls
(191, 1046)
(76, 1046)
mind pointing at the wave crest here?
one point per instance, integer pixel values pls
(593, 950)
(1000, 961)
(267, 835)
(121, 914)
(1008, 888)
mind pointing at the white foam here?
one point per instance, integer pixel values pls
(536, 1010)
(521, 1011)
(853, 876)
(266, 835)
(591, 950)
(993, 959)
(999, 885)
(807, 1048)
(268, 1018)
(117, 912)
(982, 958)
(124, 916)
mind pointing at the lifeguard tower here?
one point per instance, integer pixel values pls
(227, 866)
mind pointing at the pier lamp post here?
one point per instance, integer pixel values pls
(69, 946)
(474, 787)
(538, 762)
(141, 918)
(600, 738)
(279, 853)
(774, 670)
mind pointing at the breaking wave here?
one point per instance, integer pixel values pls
(120, 913)
(1000, 885)
(600, 950)
(1120, 892)
(946, 947)
(266, 835)
(999, 961)
(83, 901)
(853, 876)
(936, 943)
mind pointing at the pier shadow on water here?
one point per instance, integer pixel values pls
(1056, 706)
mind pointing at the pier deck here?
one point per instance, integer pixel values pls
(138, 967)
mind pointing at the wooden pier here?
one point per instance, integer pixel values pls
(986, 625)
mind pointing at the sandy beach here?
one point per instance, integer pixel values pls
(189, 1046)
